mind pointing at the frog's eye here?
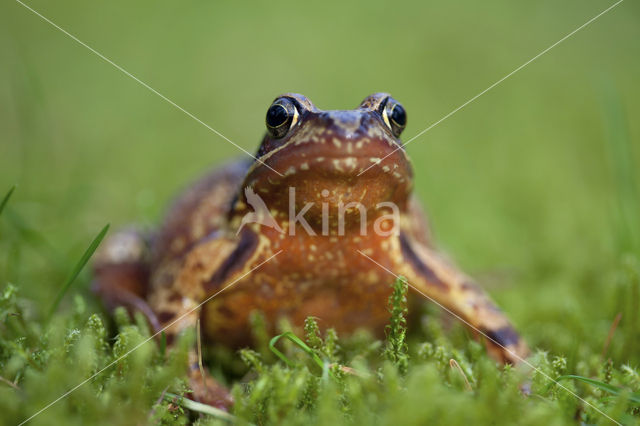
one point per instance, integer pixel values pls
(394, 116)
(281, 116)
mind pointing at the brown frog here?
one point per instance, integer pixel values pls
(307, 229)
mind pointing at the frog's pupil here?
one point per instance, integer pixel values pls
(398, 115)
(277, 115)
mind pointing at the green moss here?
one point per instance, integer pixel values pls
(396, 349)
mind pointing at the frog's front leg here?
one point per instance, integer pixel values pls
(430, 274)
(183, 285)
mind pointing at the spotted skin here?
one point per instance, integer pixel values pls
(319, 272)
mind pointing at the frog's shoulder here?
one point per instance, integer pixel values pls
(200, 210)
(416, 223)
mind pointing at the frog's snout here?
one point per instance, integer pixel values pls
(345, 124)
(353, 126)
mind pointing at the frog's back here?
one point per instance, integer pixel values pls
(198, 212)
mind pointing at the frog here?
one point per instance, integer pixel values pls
(318, 224)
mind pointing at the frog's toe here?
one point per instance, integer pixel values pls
(506, 345)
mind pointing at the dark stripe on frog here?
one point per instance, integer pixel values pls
(236, 260)
(420, 267)
(505, 336)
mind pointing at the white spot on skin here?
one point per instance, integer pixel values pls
(386, 169)
(350, 162)
(290, 171)
(337, 142)
(304, 166)
(375, 160)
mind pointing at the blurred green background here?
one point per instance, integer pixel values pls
(526, 187)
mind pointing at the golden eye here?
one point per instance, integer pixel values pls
(394, 116)
(281, 116)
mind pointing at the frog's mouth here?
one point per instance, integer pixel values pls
(340, 167)
(339, 157)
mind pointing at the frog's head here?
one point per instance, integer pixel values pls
(327, 156)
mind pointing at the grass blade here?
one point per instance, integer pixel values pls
(76, 270)
(5, 200)
(624, 176)
(297, 341)
(614, 390)
(199, 407)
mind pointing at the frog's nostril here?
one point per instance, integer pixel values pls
(347, 122)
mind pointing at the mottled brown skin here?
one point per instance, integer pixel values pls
(196, 252)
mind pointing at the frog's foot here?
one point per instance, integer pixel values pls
(206, 389)
(121, 273)
(437, 280)
(503, 342)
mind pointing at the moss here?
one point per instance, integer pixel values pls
(396, 349)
